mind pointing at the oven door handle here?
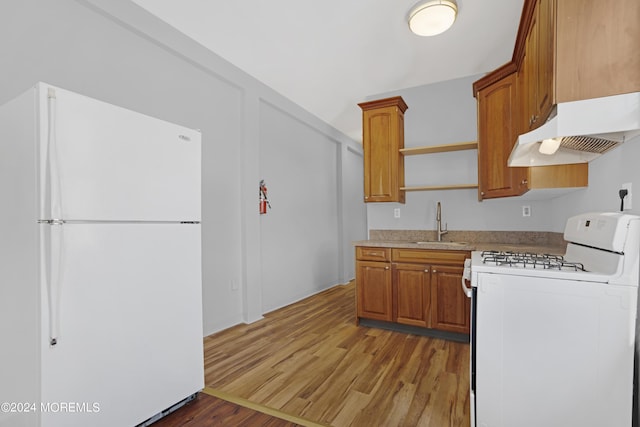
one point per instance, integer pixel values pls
(467, 290)
(466, 276)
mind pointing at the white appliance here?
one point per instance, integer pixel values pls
(552, 340)
(100, 263)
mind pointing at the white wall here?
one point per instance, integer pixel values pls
(299, 242)
(315, 188)
(117, 52)
(353, 206)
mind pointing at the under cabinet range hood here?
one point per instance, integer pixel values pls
(580, 131)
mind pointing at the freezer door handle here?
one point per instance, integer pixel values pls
(53, 254)
(52, 159)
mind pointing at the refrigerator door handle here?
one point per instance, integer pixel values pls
(53, 253)
(52, 157)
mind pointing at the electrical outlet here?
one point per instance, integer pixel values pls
(526, 210)
(396, 213)
(627, 200)
(234, 285)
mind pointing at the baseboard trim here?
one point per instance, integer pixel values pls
(408, 329)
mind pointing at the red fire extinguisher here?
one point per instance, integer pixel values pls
(264, 202)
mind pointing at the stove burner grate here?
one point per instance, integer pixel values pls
(529, 260)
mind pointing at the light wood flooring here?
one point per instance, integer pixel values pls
(310, 360)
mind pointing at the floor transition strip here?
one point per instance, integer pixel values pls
(261, 408)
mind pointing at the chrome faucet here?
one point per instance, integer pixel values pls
(439, 221)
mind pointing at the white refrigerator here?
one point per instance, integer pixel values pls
(100, 263)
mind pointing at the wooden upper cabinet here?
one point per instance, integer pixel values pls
(597, 48)
(566, 50)
(497, 124)
(571, 50)
(382, 139)
(538, 64)
(500, 106)
(545, 57)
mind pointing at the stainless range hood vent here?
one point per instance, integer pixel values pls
(590, 144)
(580, 131)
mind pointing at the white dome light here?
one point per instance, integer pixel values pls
(433, 17)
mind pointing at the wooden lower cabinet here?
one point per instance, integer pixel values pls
(451, 309)
(374, 295)
(424, 292)
(411, 294)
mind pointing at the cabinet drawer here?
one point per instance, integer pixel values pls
(429, 256)
(373, 253)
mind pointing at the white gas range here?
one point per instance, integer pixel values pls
(552, 340)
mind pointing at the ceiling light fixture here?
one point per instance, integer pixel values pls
(432, 17)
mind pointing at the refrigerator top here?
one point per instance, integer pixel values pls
(100, 162)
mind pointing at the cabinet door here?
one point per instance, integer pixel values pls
(450, 307)
(538, 64)
(545, 59)
(497, 121)
(597, 49)
(412, 294)
(373, 290)
(382, 139)
(529, 69)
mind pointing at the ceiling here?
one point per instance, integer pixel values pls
(327, 56)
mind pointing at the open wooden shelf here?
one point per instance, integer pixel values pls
(471, 145)
(457, 146)
(440, 187)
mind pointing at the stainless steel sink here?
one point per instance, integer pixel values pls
(436, 243)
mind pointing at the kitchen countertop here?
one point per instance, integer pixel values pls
(521, 241)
